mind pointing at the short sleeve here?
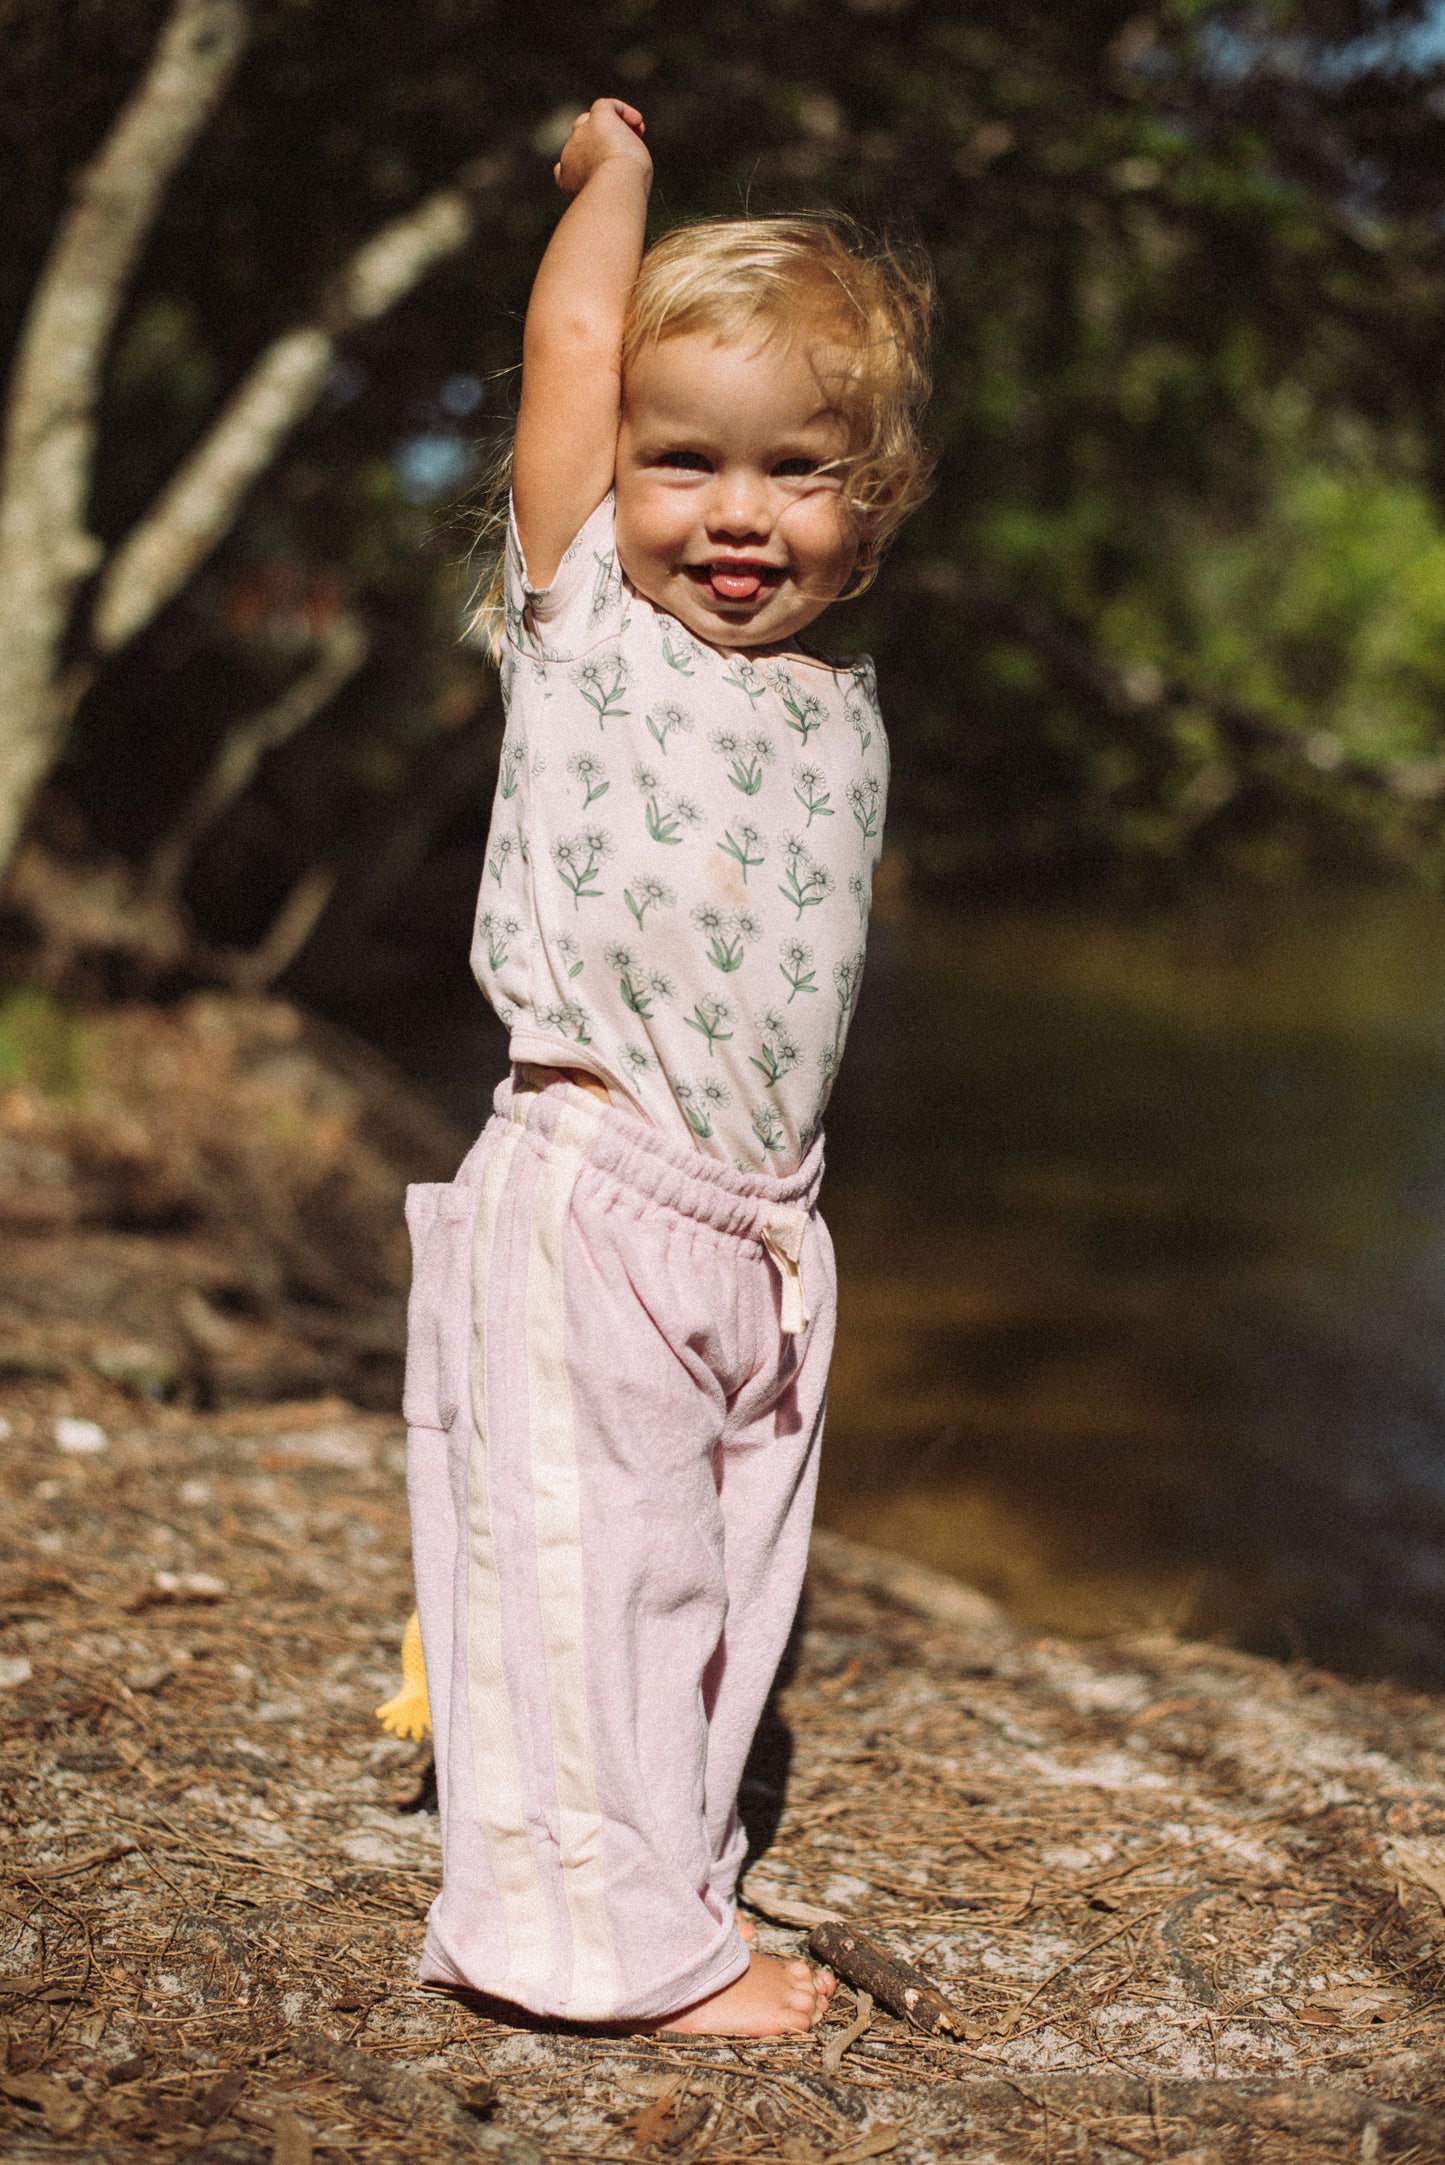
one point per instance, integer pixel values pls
(586, 601)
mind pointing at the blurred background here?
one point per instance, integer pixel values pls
(1137, 1167)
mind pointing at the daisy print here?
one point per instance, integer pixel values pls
(857, 714)
(647, 893)
(678, 650)
(727, 934)
(498, 932)
(810, 787)
(847, 977)
(796, 964)
(579, 859)
(639, 986)
(602, 681)
(568, 1020)
(712, 1019)
(865, 802)
(779, 1049)
(747, 756)
(590, 775)
(702, 1102)
(803, 711)
(769, 1131)
(571, 954)
(667, 721)
(744, 678)
(806, 883)
(667, 817)
(745, 844)
(510, 770)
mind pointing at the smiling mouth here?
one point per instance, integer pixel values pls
(730, 579)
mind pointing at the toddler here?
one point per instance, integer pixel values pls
(622, 1311)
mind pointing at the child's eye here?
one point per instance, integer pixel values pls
(796, 469)
(687, 462)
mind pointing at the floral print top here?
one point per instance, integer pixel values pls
(680, 861)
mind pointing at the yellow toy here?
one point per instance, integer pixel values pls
(409, 1713)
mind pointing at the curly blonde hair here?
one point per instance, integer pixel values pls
(870, 305)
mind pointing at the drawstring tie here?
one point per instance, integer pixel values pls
(783, 1239)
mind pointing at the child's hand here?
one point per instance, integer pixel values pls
(610, 130)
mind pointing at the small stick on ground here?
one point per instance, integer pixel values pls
(869, 1968)
(834, 2050)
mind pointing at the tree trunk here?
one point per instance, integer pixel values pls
(45, 549)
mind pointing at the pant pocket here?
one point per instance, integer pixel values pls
(439, 1217)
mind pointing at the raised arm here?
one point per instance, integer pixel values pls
(566, 444)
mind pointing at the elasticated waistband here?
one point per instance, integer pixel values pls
(664, 1172)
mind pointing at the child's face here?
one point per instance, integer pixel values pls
(723, 517)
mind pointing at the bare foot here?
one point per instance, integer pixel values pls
(771, 1998)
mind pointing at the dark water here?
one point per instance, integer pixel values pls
(1141, 1234)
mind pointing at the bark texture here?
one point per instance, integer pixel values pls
(50, 427)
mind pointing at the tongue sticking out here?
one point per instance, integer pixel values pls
(735, 585)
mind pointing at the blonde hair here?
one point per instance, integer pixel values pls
(813, 272)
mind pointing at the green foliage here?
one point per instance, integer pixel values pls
(1182, 551)
(43, 1044)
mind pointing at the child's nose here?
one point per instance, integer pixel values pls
(738, 506)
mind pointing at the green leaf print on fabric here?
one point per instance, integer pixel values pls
(568, 1020)
(847, 977)
(501, 856)
(639, 987)
(579, 859)
(591, 773)
(647, 894)
(606, 585)
(769, 1130)
(804, 711)
(857, 714)
(780, 1053)
(668, 721)
(602, 681)
(865, 798)
(498, 932)
(510, 770)
(572, 956)
(667, 818)
(747, 757)
(678, 651)
(748, 846)
(710, 1018)
(727, 935)
(744, 678)
(700, 1101)
(811, 790)
(805, 882)
(796, 965)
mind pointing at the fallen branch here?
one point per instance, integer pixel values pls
(1313, 2110)
(869, 1968)
(402, 2094)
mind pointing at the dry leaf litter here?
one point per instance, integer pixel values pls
(1180, 1902)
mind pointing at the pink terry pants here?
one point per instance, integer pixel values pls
(612, 1454)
